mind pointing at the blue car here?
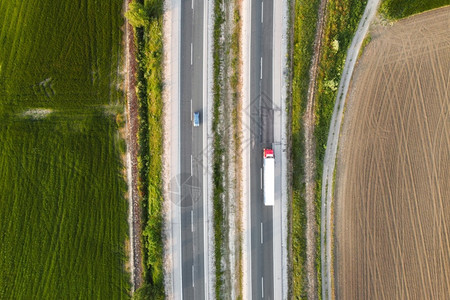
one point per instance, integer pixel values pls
(196, 119)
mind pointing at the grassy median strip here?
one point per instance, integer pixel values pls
(342, 20)
(236, 112)
(304, 22)
(146, 16)
(397, 9)
(218, 150)
(226, 143)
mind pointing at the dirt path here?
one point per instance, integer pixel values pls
(332, 143)
(132, 152)
(310, 160)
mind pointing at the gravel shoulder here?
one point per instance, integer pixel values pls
(171, 163)
(245, 176)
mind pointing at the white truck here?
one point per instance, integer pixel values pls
(269, 177)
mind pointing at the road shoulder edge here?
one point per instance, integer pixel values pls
(171, 162)
(245, 120)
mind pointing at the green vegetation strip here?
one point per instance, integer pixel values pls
(342, 20)
(146, 16)
(63, 215)
(218, 185)
(218, 188)
(397, 9)
(237, 106)
(224, 48)
(304, 22)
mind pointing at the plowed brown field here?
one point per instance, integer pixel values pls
(392, 207)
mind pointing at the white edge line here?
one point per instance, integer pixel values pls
(245, 118)
(191, 53)
(178, 208)
(284, 197)
(205, 153)
(191, 166)
(247, 40)
(280, 13)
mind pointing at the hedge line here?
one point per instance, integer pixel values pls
(218, 150)
(147, 15)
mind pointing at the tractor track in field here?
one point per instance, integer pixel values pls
(392, 214)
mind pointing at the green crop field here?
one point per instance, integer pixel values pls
(62, 208)
(397, 9)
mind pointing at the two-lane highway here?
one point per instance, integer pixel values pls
(191, 149)
(189, 233)
(262, 136)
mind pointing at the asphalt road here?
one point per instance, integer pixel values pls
(191, 149)
(262, 136)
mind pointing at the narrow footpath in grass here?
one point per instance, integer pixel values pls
(310, 160)
(132, 124)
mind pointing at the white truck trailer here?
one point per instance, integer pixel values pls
(269, 177)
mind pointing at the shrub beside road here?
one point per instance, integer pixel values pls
(218, 149)
(147, 17)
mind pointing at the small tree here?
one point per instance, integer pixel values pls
(136, 14)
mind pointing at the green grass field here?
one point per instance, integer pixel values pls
(397, 9)
(62, 211)
(304, 22)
